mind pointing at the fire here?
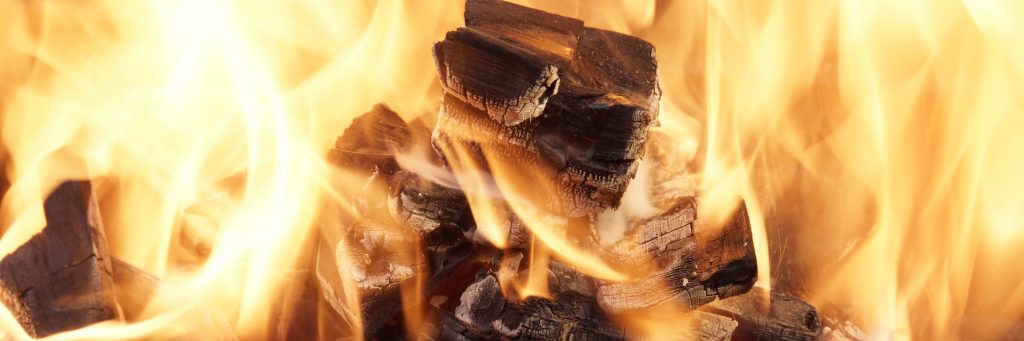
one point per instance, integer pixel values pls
(874, 143)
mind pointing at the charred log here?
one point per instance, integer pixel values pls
(764, 315)
(486, 313)
(471, 63)
(61, 279)
(711, 263)
(372, 141)
(135, 287)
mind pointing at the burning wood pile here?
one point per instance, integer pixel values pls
(543, 125)
(486, 226)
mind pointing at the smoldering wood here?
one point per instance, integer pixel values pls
(61, 279)
(376, 277)
(371, 141)
(424, 206)
(589, 152)
(615, 63)
(486, 314)
(769, 315)
(713, 262)
(834, 328)
(507, 82)
(524, 26)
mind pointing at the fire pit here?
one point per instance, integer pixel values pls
(477, 170)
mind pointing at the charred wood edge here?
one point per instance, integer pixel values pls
(485, 313)
(836, 325)
(769, 315)
(619, 64)
(469, 62)
(372, 140)
(61, 279)
(587, 184)
(704, 268)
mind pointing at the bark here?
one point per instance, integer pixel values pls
(61, 279)
(764, 315)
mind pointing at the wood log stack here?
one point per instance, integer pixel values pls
(556, 113)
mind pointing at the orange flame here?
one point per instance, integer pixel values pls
(872, 141)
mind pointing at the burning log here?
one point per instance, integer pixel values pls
(485, 313)
(525, 48)
(372, 141)
(61, 279)
(686, 262)
(469, 62)
(425, 206)
(764, 315)
(592, 130)
(398, 213)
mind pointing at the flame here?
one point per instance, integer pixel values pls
(872, 141)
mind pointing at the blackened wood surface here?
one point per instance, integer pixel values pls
(510, 84)
(764, 315)
(61, 279)
(484, 313)
(372, 140)
(688, 270)
(588, 150)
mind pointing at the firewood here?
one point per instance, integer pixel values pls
(616, 63)
(589, 176)
(377, 268)
(769, 315)
(425, 206)
(509, 83)
(589, 139)
(61, 279)
(532, 28)
(712, 263)
(485, 313)
(372, 141)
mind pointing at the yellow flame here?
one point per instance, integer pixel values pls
(874, 142)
